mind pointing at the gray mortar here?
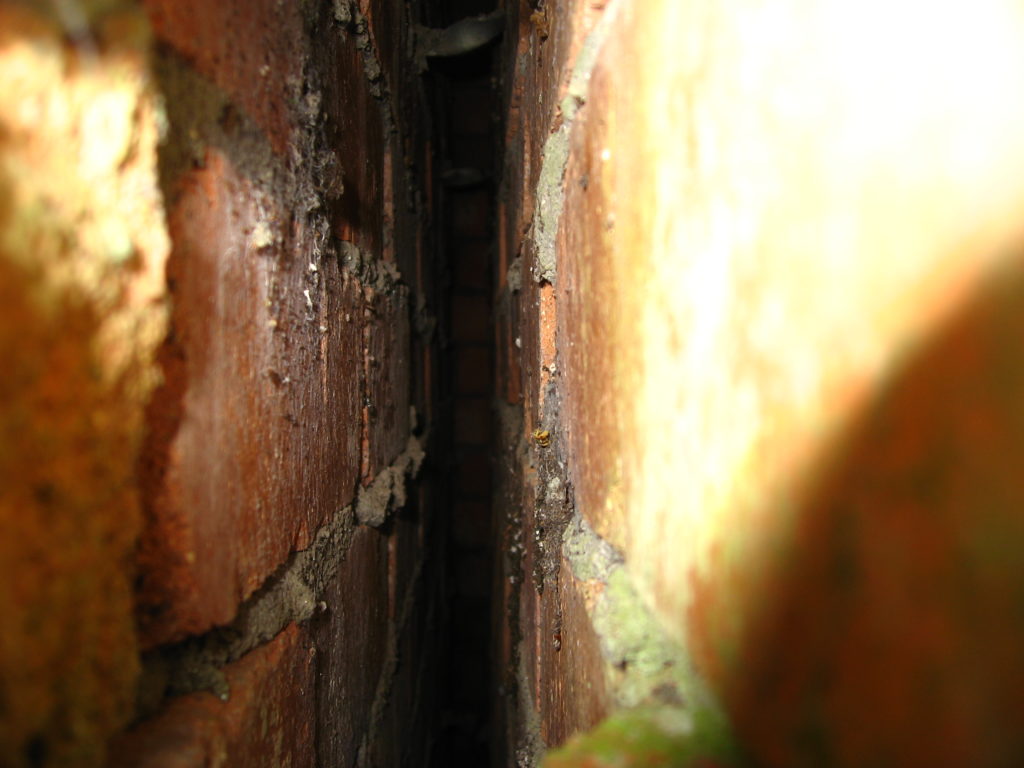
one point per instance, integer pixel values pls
(383, 277)
(643, 665)
(387, 491)
(550, 193)
(554, 497)
(514, 275)
(530, 746)
(302, 183)
(350, 20)
(293, 594)
(524, 734)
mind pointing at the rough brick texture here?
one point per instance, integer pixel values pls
(292, 179)
(204, 382)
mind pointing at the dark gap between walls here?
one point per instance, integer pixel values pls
(464, 102)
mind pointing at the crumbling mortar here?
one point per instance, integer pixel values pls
(553, 493)
(293, 594)
(350, 20)
(550, 192)
(303, 181)
(643, 665)
(382, 277)
(387, 491)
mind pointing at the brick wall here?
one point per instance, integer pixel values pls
(258, 505)
(757, 289)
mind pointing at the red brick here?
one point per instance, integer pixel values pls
(268, 719)
(351, 638)
(386, 361)
(478, 153)
(573, 695)
(255, 434)
(252, 49)
(470, 258)
(472, 104)
(473, 575)
(357, 133)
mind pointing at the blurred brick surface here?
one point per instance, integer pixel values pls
(268, 720)
(283, 133)
(82, 309)
(908, 545)
(474, 371)
(470, 314)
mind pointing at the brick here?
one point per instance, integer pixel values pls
(472, 103)
(470, 258)
(478, 153)
(255, 433)
(351, 638)
(473, 374)
(268, 719)
(386, 360)
(470, 212)
(82, 312)
(252, 50)
(590, 320)
(573, 694)
(473, 575)
(356, 132)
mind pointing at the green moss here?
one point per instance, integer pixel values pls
(645, 738)
(648, 675)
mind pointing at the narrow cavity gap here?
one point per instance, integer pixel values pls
(464, 105)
